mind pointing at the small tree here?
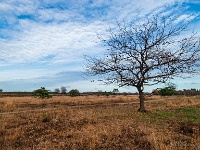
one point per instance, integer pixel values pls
(107, 93)
(115, 91)
(57, 90)
(74, 92)
(1, 90)
(63, 90)
(99, 91)
(41, 93)
(145, 54)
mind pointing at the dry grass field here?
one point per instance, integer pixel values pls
(99, 122)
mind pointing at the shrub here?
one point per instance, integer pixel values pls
(115, 91)
(107, 93)
(74, 92)
(168, 91)
(41, 93)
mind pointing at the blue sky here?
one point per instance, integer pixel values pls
(42, 42)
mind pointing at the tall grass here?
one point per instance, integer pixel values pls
(170, 124)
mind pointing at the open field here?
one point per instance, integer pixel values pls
(100, 122)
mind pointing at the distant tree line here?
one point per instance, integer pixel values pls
(15, 94)
(168, 91)
(191, 92)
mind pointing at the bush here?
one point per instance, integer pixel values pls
(168, 91)
(115, 91)
(107, 93)
(41, 93)
(74, 92)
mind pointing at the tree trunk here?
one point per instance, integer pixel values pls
(141, 97)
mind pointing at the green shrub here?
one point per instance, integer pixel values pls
(115, 91)
(107, 93)
(41, 93)
(74, 92)
(168, 91)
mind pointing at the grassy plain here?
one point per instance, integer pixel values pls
(100, 122)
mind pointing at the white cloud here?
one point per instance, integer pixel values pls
(16, 74)
(63, 41)
(6, 8)
(100, 3)
(58, 15)
(185, 18)
(133, 10)
(18, 7)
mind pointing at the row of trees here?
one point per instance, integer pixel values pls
(166, 91)
(44, 93)
(171, 90)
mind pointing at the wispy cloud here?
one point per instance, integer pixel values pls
(62, 41)
(185, 18)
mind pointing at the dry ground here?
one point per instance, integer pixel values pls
(170, 124)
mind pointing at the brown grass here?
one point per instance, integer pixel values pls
(12, 103)
(97, 127)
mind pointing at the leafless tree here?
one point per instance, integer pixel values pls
(63, 90)
(57, 90)
(145, 54)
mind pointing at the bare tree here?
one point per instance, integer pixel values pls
(57, 90)
(145, 54)
(63, 90)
